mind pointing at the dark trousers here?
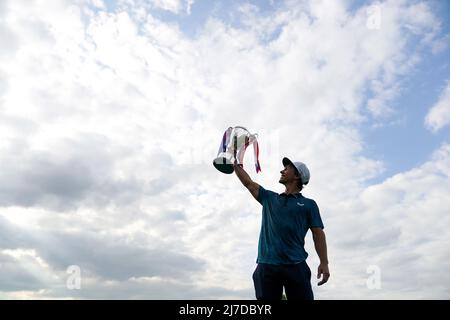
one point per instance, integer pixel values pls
(269, 280)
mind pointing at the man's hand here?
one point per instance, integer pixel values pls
(235, 164)
(323, 270)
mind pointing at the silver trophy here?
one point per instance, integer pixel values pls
(233, 146)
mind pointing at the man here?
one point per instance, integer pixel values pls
(286, 218)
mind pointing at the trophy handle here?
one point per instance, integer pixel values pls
(254, 135)
(242, 128)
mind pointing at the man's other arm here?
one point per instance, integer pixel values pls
(243, 176)
(320, 244)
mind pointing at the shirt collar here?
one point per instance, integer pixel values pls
(295, 195)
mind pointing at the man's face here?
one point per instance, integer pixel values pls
(288, 174)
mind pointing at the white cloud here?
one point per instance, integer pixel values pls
(170, 5)
(173, 6)
(401, 227)
(414, 29)
(110, 122)
(439, 115)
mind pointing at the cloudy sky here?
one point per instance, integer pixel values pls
(112, 111)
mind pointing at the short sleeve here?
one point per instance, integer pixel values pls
(315, 221)
(262, 194)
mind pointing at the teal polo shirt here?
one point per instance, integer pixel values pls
(285, 222)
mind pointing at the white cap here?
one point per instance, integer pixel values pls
(301, 168)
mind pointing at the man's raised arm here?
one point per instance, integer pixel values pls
(243, 176)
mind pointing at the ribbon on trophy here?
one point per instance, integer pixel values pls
(234, 143)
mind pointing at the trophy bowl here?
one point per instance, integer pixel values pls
(223, 163)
